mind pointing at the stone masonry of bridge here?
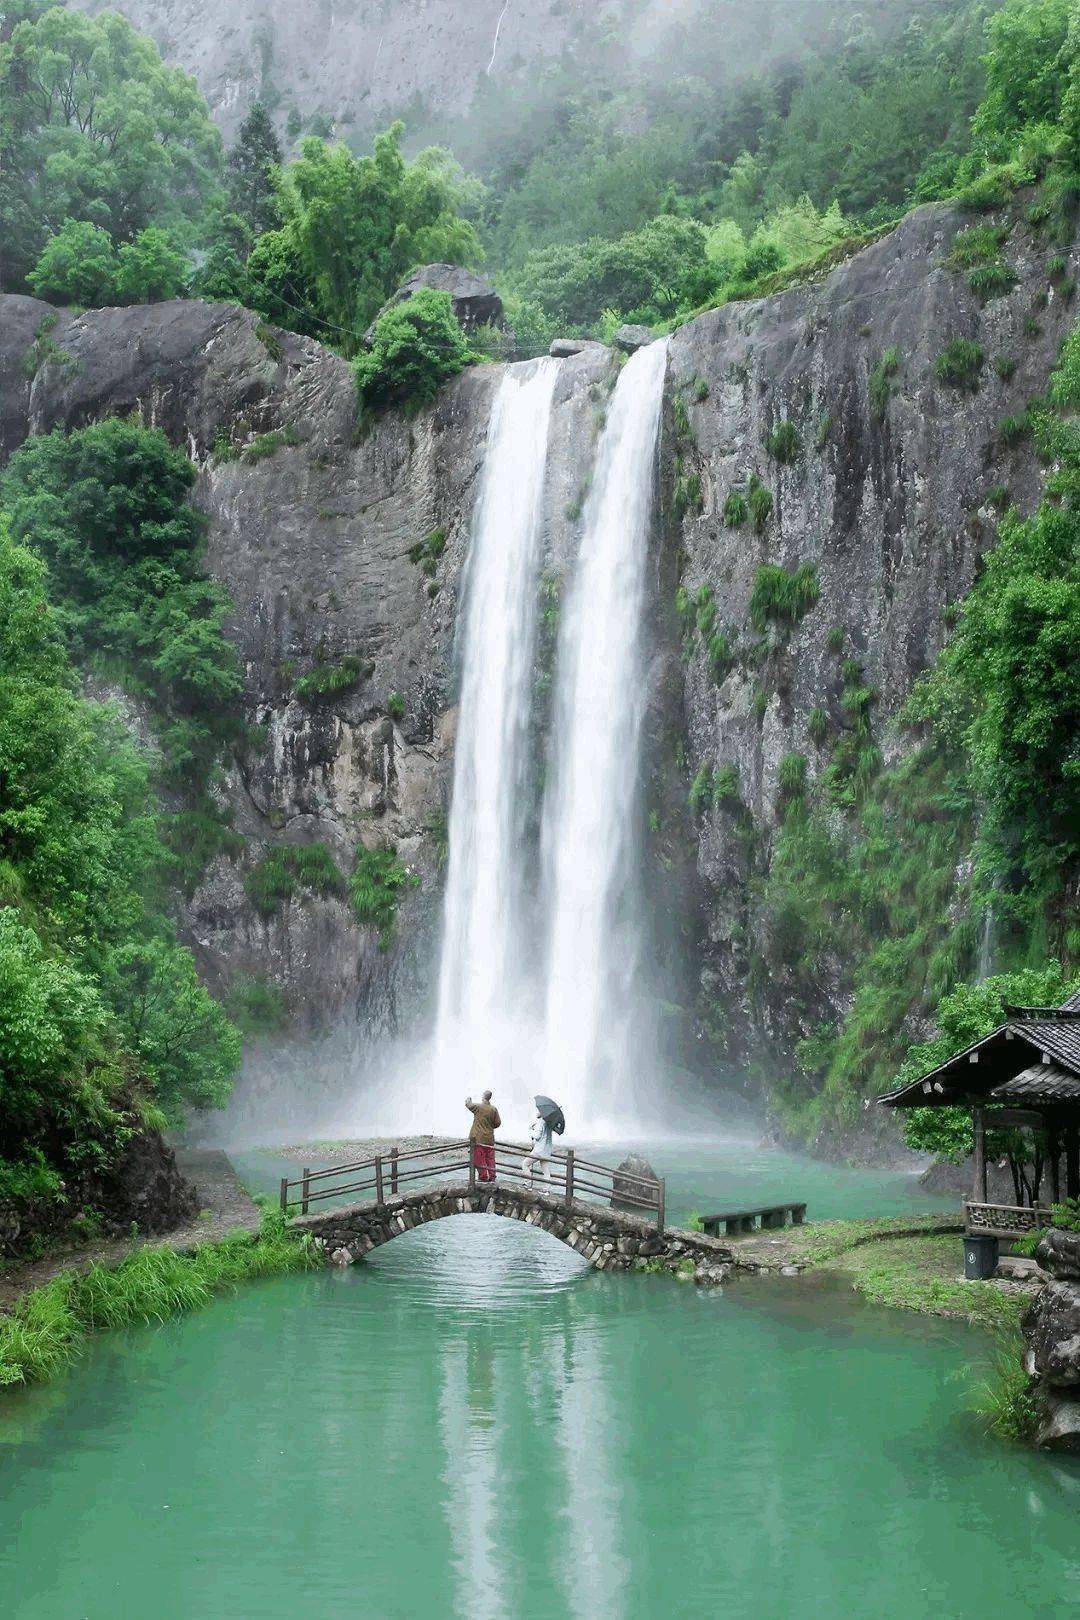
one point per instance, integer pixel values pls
(609, 1239)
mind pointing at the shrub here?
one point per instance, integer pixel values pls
(427, 552)
(817, 725)
(979, 244)
(792, 776)
(688, 494)
(725, 786)
(1004, 365)
(268, 444)
(783, 444)
(989, 281)
(76, 266)
(879, 388)
(700, 789)
(760, 502)
(330, 680)
(1011, 429)
(257, 1006)
(293, 867)
(376, 886)
(781, 596)
(835, 639)
(736, 510)
(721, 654)
(959, 364)
(416, 347)
(395, 706)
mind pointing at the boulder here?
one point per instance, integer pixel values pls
(1059, 1253)
(475, 302)
(1052, 1332)
(625, 1193)
(1058, 1423)
(629, 338)
(564, 348)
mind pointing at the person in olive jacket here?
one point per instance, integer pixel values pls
(485, 1123)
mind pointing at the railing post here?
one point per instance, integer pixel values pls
(378, 1181)
(472, 1166)
(569, 1175)
(661, 1192)
(304, 1191)
(284, 1195)
(393, 1172)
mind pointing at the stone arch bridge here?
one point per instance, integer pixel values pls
(582, 1206)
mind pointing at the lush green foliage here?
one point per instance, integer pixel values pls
(101, 1013)
(352, 228)
(417, 345)
(327, 681)
(94, 129)
(284, 871)
(968, 1012)
(782, 596)
(379, 881)
(959, 363)
(48, 1327)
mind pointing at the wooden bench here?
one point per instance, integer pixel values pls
(737, 1221)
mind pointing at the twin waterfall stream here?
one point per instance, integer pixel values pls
(538, 984)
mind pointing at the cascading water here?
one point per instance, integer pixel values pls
(481, 991)
(593, 1048)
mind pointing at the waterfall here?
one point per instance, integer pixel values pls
(481, 983)
(593, 1050)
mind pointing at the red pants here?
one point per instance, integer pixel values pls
(484, 1160)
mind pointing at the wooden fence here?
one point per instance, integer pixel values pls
(399, 1170)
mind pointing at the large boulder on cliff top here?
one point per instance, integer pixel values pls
(475, 302)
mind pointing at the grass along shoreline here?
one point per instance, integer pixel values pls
(48, 1327)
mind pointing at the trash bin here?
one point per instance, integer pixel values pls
(980, 1256)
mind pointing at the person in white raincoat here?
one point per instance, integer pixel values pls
(539, 1160)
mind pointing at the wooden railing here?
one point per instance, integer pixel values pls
(386, 1175)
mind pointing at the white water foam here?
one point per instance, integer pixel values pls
(595, 1042)
(483, 988)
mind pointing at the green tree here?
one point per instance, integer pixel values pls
(94, 127)
(416, 347)
(100, 1008)
(354, 227)
(185, 1043)
(150, 269)
(251, 171)
(77, 265)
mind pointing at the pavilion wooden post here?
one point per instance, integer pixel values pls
(1053, 1136)
(1072, 1161)
(978, 1120)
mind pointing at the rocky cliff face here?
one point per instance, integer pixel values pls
(363, 62)
(311, 528)
(889, 502)
(1051, 1328)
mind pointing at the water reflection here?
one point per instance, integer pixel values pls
(530, 1407)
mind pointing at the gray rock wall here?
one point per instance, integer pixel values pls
(892, 511)
(313, 542)
(1051, 1328)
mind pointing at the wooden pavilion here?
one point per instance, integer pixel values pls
(1025, 1073)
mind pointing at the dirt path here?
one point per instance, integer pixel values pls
(224, 1206)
